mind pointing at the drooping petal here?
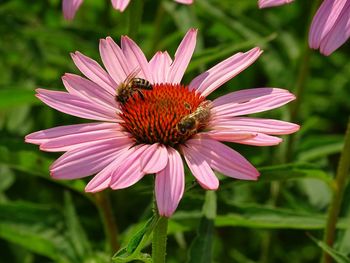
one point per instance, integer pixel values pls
(339, 34)
(249, 101)
(89, 91)
(227, 135)
(154, 158)
(87, 160)
(135, 57)
(76, 106)
(185, 2)
(170, 184)
(183, 56)
(271, 3)
(255, 138)
(200, 169)
(213, 78)
(103, 179)
(93, 71)
(160, 66)
(120, 4)
(324, 21)
(129, 172)
(65, 138)
(261, 140)
(70, 7)
(268, 126)
(114, 60)
(223, 159)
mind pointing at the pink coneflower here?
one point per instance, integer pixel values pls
(142, 136)
(271, 3)
(70, 7)
(330, 27)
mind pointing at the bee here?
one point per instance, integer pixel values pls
(195, 121)
(130, 85)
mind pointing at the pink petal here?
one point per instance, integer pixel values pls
(249, 101)
(70, 7)
(213, 78)
(261, 140)
(170, 184)
(227, 135)
(271, 3)
(324, 21)
(185, 2)
(129, 172)
(223, 159)
(268, 126)
(102, 180)
(250, 138)
(154, 158)
(120, 4)
(87, 160)
(200, 169)
(135, 57)
(339, 34)
(160, 66)
(66, 138)
(183, 56)
(93, 71)
(114, 60)
(89, 91)
(76, 106)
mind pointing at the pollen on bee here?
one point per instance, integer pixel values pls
(155, 117)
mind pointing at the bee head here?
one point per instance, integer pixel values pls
(186, 125)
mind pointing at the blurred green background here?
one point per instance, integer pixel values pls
(43, 220)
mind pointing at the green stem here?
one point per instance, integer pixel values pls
(159, 240)
(103, 204)
(135, 18)
(338, 192)
(159, 236)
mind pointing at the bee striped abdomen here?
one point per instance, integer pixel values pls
(141, 84)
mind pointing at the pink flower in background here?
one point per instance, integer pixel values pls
(330, 27)
(70, 7)
(271, 3)
(143, 135)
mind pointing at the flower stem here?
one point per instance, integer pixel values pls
(103, 204)
(159, 240)
(338, 192)
(159, 236)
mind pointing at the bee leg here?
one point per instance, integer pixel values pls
(141, 94)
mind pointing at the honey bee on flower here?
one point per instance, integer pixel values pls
(131, 85)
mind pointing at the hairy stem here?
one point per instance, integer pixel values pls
(160, 240)
(338, 192)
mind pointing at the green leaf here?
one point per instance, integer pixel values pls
(254, 216)
(76, 233)
(15, 97)
(337, 256)
(35, 164)
(38, 228)
(201, 247)
(133, 250)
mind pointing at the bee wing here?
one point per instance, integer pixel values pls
(132, 74)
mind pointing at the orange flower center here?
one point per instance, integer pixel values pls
(154, 115)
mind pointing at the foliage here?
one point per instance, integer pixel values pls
(44, 220)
